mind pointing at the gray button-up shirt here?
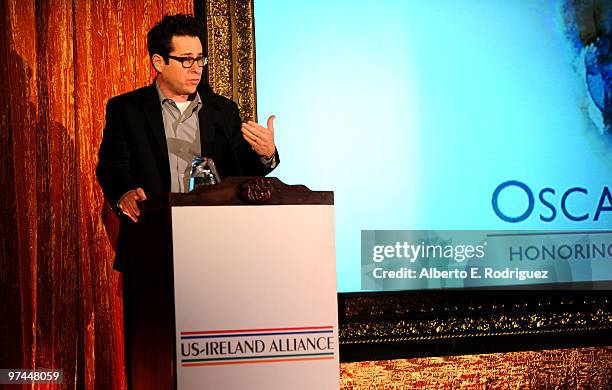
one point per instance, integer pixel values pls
(182, 137)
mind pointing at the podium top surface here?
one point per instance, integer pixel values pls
(242, 190)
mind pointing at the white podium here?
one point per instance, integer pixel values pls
(251, 290)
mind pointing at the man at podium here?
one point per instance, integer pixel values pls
(153, 134)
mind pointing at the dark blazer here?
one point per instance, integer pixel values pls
(134, 153)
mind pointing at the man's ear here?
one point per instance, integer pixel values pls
(158, 62)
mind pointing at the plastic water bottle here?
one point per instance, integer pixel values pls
(203, 173)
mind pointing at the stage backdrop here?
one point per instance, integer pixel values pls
(60, 61)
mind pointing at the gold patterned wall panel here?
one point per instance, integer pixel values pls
(231, 51)
(579, 368)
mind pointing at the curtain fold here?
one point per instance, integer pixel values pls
(60, 62)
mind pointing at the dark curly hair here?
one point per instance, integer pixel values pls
(159, 38)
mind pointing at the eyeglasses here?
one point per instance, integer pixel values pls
(188, 62)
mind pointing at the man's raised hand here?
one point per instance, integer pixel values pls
(260, 138)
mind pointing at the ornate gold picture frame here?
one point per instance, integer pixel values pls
(230, 36)
(402, 324)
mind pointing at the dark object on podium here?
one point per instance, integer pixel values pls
(149, 314)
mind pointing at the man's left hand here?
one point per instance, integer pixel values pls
(260, 138)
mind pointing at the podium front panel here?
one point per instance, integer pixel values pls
(255, 297)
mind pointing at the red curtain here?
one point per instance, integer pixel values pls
(60, 61)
